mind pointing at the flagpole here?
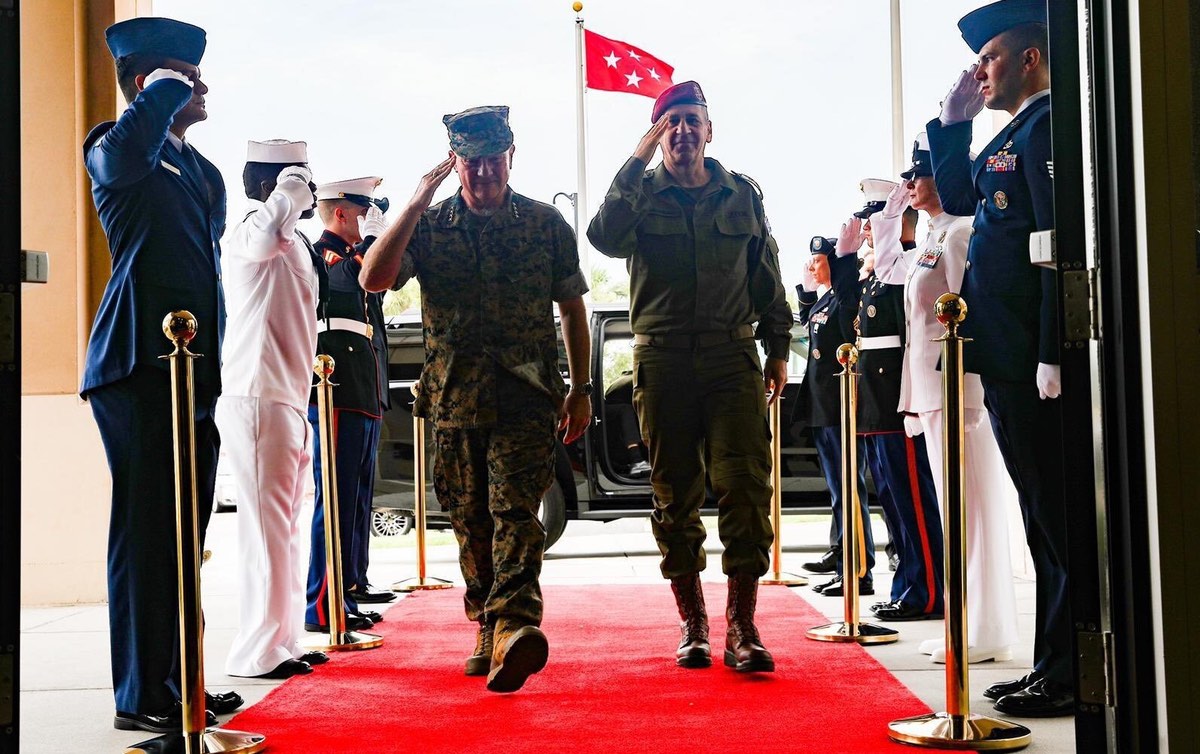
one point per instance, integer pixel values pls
(581, 203)
(898, 142)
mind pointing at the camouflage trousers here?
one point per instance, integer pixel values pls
(491, 480)
(703, 414)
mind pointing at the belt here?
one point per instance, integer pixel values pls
(879, 343)
(350, 325)
(694, 340)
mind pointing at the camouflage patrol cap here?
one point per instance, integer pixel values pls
(479, 132)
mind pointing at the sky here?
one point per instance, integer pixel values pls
(799, 91)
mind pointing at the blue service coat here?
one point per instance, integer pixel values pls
(1013, 304)
(164, 215)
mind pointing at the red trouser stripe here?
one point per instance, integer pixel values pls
(919, 511)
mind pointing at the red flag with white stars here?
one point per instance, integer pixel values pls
(619, 67)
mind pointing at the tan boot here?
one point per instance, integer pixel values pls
(480, 662)
(693, 651)
(520, 651)
(744, 651)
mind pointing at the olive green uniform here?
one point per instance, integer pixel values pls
(704, 283)
(491, 384)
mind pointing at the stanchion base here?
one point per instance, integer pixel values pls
(349, 642)
(416, 584)
(862, 633)
(941, 730)
(213, 741)
(784, 579)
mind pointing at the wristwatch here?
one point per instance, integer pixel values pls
(583, 388)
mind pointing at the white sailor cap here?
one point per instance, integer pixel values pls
(277, 151)
(357, 190)
(876, 191)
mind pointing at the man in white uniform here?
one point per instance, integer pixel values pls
(933, 268)
(272, 283)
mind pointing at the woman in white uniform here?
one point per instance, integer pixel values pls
(272, 287)
(936, 267)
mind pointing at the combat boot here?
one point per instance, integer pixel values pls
(693, 651)
(480, 662)
(744, 651)
(520, 651)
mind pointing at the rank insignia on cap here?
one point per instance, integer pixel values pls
(1001, 200)
(686, 93)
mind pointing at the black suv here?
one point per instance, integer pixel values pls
(594, 479)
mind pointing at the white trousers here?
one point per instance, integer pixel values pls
(991, 600)
(268, 447)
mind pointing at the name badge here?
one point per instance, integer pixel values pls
(929, 258)
(170, 167)
(1002, 162)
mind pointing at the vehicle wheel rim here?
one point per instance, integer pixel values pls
(388, 523)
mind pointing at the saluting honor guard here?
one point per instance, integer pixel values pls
(704, 284)
(273, 281)
(162, 206)
(351, 329)
(1013, 325)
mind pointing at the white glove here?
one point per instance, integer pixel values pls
(294, 182)
(1049, 380)
(851, 239)
(372, 223)
(807, 281)
(897, 202)
(964, 100)
(165, 73)
(973, 419)
(913, 425)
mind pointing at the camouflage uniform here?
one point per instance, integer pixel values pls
(703, 270)
(491, 384)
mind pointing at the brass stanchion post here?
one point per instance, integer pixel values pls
(778, 577)
(180, 328)
(339, 638)
(419, 502)
(849, 629)
(956, 728)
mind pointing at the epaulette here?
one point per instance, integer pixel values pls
(753, 183)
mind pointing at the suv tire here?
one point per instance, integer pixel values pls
(553, 513)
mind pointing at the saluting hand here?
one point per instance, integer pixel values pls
(575, 416)
(897, 201)
(774, 377)
(431, 181)
(964, 100)
(649, 143)
(851, 239)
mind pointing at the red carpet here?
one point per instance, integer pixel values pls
(611, 686)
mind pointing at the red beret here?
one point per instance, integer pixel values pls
(687, 93)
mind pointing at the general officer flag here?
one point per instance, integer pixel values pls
(615, 66)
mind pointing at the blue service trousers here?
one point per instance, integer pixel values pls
(829, 450)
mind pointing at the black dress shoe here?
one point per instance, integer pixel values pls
(287, 669)
(1044, 698)
(899, 611)
(877, 605)
(1004, 688)
(353, 623)
(827, 563)
(314, 658)
(370, 615)
(169, 720)
(367, 594)
(223, 704)
(834, 588)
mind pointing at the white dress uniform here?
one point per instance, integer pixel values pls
(933, 268)
(271, 292)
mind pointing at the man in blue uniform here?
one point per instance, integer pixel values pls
(351, 330)
(830, 321)
(1014, 305)
(162, 206)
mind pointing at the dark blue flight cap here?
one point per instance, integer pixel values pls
(823, 245)
(982, 25)
(154, 35)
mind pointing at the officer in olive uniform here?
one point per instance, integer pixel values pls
(899, 464)
(1009, 189)
(492, 264)
(351, 330)
(830, 321)
(704, 270)
(162, 205)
